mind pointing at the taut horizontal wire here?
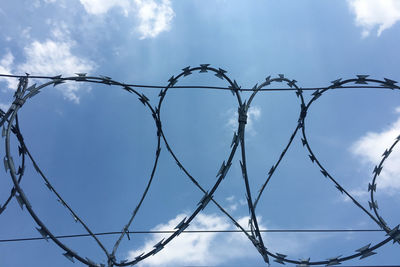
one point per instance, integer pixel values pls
(201, 232)
(211, 87)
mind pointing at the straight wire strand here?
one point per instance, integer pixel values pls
(212, 87)
(201, 232)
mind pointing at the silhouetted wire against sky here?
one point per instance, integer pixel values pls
(201, 166)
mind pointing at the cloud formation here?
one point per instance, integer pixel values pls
(216, 248)
(50, 57)
(369, 149)
(53, 58)
(154, 17)
(370, 14)
(197, 248)
(99, 7)
(253, 114)
(6, 64)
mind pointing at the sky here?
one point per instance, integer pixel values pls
(97, 143)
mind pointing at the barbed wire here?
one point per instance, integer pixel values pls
(9, 122)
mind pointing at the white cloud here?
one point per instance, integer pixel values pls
(375, 13)
(54, 57)
(98, 7)
(253, 114)
(50, 57)
(4, 107)
(369, 149)
(216, 248)
(357, 194)
(230, 198)
(154, 18)
(197, 248)
(6, 64)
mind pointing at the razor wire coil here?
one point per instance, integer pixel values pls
(9, 122)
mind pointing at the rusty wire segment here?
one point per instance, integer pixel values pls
(9, 122)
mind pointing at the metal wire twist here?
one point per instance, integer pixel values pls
(9, 122)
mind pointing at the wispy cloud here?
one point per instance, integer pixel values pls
(50, 57)
(197, 248)
(6, 65)
(154, 17)
(98, 7)
(253, 114)
(55, 57)
(369, 149)
(215, 248)
(371, 14)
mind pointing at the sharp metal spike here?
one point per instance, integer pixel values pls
(220, 73)
(31, 88)
(312, 158)
(389, 83)
(292, 83)
(271, 170)
(303, 141)
(372, 187)
(138, 258)
(267, 81)
(234, 139)
(373, 204)
(43, 233)
(221, 170)
(387, 153)
(21, 170)
(339, 188)
(69, 256)
(21, 150)
(361, 79)
(81, 77)
(172, 81)
(304, 262)
(204, 67)
(186, 71)
(377, 170)
(204, 201)
(324, 173)
(57, 82)
(180, 224)
(91, 263)
(36, 167)
(336, 82)
(143, 99)
(159, 246)
(299, 92)
(364, 248)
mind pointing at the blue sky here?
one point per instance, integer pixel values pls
(97, 143)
